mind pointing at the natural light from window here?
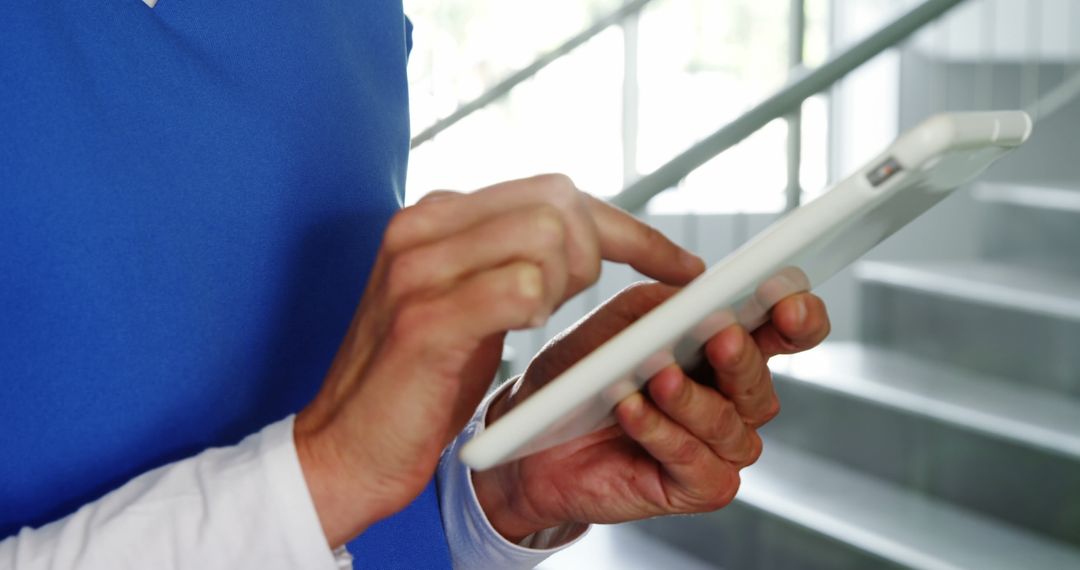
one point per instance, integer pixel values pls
(700, 63)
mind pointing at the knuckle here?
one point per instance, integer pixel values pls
(771, 410)
(756, 447)
(404, 271)
(685, 451)
(721, 432)
(787, 345)
(556, 183)
(725, 492)
(758, 386)
(435, 195)
(640, 297)
(547, 227)
(726, 416)
(405, 226)
(751, 453)
(560, 191)
(581, 278)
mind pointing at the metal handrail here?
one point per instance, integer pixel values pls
(783, 102)
(503, 87)
(796, 39)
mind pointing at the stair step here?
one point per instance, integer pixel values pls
(973, 440)
(985, 283)
(1054, 197)
(1014, 322)
(740, 536)
(1028, 416)
(848, 509)
(894, 523)
(1030, 225)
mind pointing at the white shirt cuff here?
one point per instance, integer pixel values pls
(474, 543)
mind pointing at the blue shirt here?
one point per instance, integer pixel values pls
(192, 197)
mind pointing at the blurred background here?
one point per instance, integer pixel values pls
(940, 425)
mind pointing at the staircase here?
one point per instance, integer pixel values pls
(948, 434)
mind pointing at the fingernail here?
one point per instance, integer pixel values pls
(735, 345)
(800, 311)
(691, 261)
(634, 405)
(530, 282)
(682, 392)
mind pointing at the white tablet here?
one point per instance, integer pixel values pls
(796, 253)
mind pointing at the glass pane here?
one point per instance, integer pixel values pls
(566, 119)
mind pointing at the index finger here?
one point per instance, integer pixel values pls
(626, 239)
(621, 237)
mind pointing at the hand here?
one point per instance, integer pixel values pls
(454, 273)
(678, 450)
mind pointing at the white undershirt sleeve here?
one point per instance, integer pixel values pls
(244, 506)
(474, 543)
(248, 506)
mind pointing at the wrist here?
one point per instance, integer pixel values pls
(504, 505)
(499, 490)
(344, 510)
